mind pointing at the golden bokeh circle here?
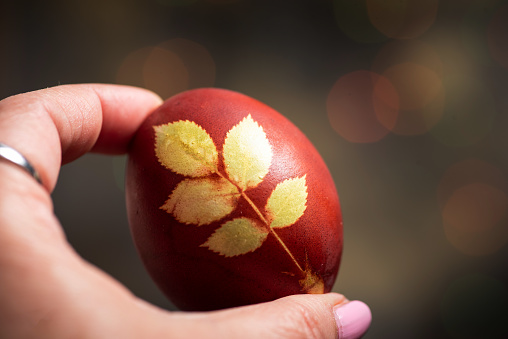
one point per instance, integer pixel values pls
(475, 207)
(421, 97)
(170, 67)
(165, 73)
(473, 198)
(197, 60)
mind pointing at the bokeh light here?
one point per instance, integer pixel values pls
(484, 242)
(402, 19)
(130, 71)
(417, 85)
(469, 113)
(474, 203)
(197, 60)
(476, 207)
(497, 33)
(415, 69)
(475, 306)
(154, 68)
(421, 96)
(168, 68)
(362, 106)
(164, 72)
(352, 18)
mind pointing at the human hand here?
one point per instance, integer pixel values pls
(48, 291)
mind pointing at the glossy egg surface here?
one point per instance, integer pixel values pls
(230, 204)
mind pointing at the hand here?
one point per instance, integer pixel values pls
(48, 291)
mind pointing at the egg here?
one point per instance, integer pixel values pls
(230, 204)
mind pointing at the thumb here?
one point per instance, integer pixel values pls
(299, 316)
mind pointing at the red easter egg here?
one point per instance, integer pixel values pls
(230, 204)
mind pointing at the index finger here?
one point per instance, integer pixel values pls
(57, 125)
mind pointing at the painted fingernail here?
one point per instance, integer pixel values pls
(353, 319)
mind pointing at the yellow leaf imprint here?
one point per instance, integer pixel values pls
(287, 202)
(312, 283)
(237, 237)
(247, 154)
(186, 148)
(202, 201)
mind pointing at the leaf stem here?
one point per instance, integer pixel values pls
(287, 250)
(258, 212)
(262, 217)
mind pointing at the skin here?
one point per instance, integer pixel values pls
(46, 289)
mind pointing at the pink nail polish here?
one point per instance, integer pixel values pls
(353, 319)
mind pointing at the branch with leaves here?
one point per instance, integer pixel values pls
(207, 195)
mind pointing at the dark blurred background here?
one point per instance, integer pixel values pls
(405, 100)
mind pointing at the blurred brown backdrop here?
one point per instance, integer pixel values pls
(405, 100)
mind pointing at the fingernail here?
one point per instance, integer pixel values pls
(353, 319)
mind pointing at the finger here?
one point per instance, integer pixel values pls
(300, 316)
(123, 112)
(44, 286)
(59, 124)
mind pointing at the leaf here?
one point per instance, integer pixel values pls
(247, 154)
(186, 148)
(202, 201)
(311, 283)
(236, 237)
(287, 202)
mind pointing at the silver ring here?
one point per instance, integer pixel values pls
(17, 158)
